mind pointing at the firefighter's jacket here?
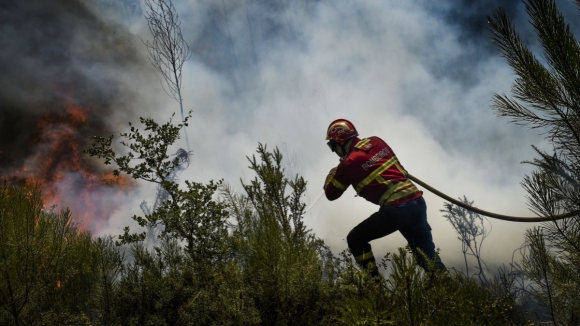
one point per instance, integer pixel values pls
(373, 170)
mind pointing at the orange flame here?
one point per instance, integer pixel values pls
(65, 174)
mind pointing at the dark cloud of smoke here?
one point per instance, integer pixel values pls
(469, 18)
(56, 54)
(66, 76)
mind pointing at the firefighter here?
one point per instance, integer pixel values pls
(372, 169)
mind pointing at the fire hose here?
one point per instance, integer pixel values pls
(492, 215)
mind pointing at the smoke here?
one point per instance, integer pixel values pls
(63, 81)
(418, 74)
(45, 58)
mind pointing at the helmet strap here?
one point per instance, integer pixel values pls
(344, 146)
(343, 149)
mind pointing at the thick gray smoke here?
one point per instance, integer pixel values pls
(64, 77)
(54, 54)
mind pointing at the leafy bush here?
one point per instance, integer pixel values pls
(409, 296)
(45, 261)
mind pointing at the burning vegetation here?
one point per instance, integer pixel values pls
(68, 178)
(62, 80)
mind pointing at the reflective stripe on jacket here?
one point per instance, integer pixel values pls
(375, 173)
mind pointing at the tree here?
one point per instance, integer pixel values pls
(44, 259)
(168, 51)
(109, 265)
(472, 233)
(151, 289)
(280, 257)
(192, 214)
(410, 296)
(546, 96)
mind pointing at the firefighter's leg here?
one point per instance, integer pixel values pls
(376, 226)
(415, 228)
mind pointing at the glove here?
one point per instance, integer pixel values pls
(330, 176)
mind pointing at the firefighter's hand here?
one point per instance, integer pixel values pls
(330, 176)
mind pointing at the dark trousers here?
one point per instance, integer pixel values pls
(409, 218)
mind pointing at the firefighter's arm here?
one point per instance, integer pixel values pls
(333, 188)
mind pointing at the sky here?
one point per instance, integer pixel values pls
(419, 74)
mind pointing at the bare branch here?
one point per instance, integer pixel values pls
(168, 51)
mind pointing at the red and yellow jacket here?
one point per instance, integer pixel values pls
(373, 170)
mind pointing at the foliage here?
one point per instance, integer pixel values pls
(279, 255)
(546, 95)
(472, 233)
(151, 285)
(45, 261)
(408, 296)
(109, 263)
(191, 214)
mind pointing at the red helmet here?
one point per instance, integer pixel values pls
(341, 130)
